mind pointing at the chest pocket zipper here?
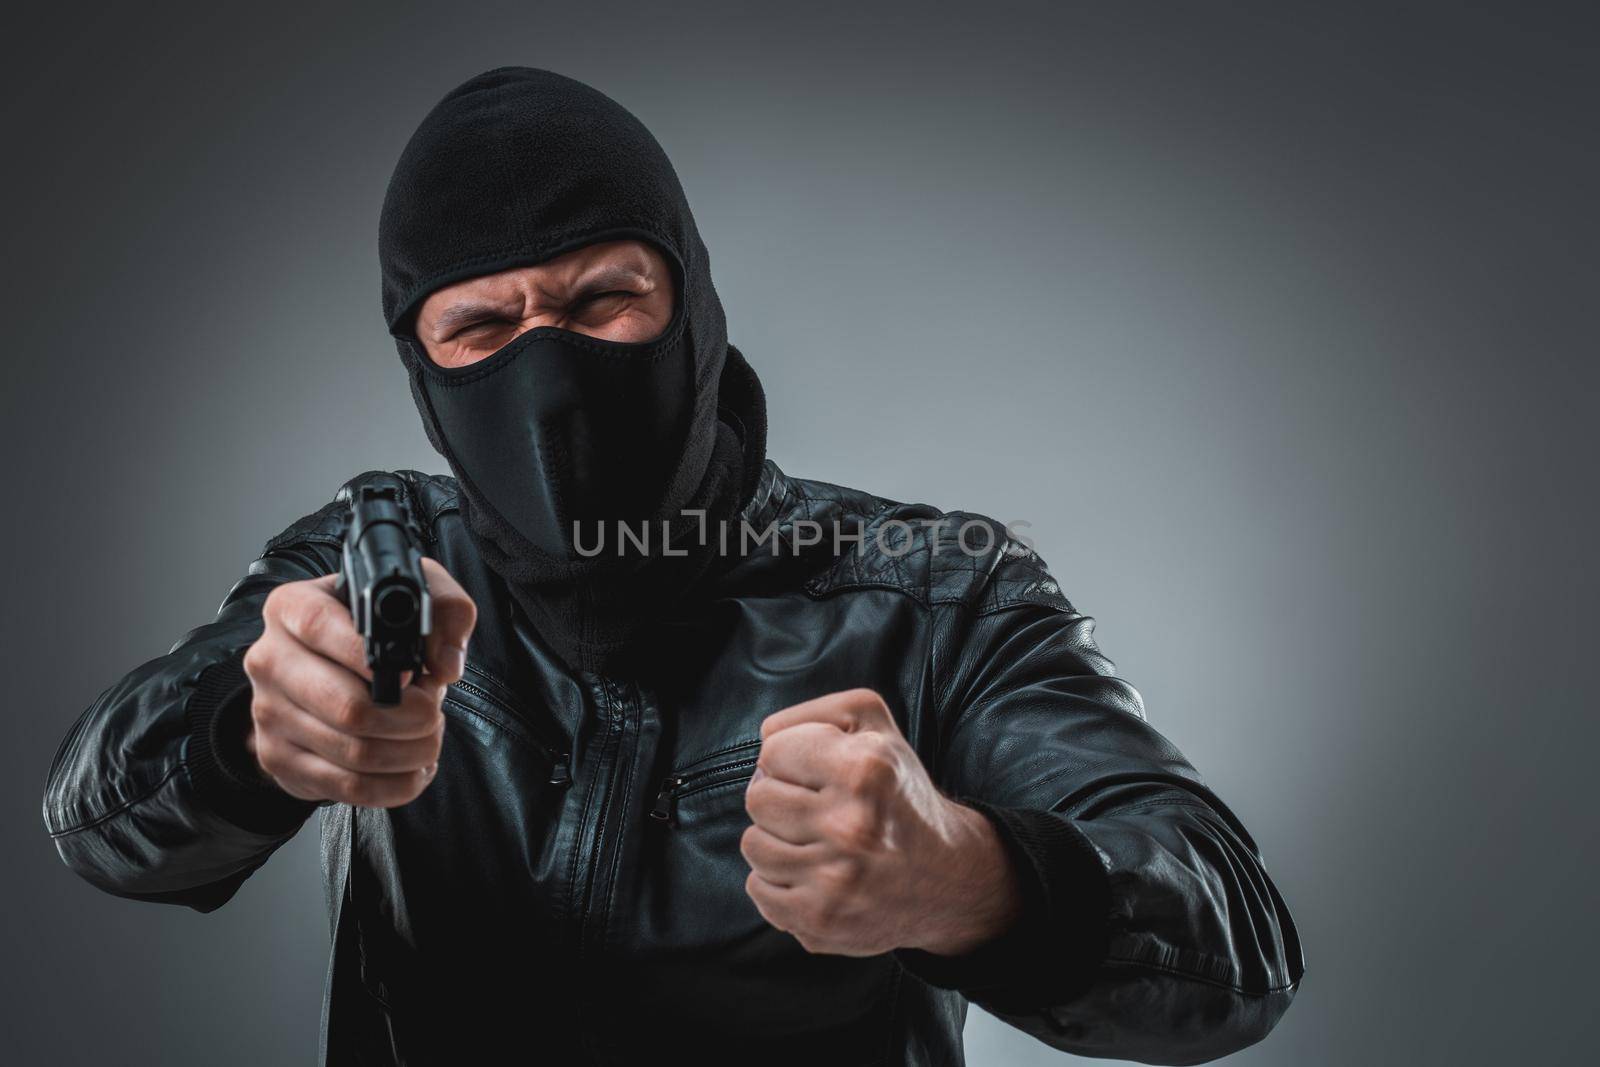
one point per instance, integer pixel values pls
(513, 722)
(691, 779)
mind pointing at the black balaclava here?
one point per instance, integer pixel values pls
(512, 168)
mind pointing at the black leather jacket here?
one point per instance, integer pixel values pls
(569, 889)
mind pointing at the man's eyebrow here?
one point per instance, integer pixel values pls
(612, 274)
(463, 314)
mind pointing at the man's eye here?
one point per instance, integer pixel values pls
(479, 328)
(595, 298)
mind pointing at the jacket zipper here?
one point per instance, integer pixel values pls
(560, 761)
(678, 785)
(619, 703)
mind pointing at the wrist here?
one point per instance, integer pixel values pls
(1054, 948)
(224, 771)
(984, 899)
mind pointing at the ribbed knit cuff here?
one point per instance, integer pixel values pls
(1051, 952)
(223, 771)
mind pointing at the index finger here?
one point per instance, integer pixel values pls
(850, 710)
(804, 755)
(319, 619)
(453, 617)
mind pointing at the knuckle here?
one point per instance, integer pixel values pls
(257, 659)
(328, 626)
(296, 613)
(269, 755)
(302, 624)
(870, 767)
(323, 629)
(349, 711)
(277, 599)
(852, 828)
(754, 796)
(841, 876)
(752, 889)
(359, 752)
(771, 748)
(862, 699)
(874, 745)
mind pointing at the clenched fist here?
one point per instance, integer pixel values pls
(853, 849)
(314, 728)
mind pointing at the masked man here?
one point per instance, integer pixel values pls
(787, 773)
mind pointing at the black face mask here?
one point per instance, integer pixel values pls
(512, 168)
(568, 435)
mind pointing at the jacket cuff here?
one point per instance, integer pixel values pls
(1050, 954)
(221, 768)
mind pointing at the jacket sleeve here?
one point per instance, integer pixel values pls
(1150, 930)
(152, 794)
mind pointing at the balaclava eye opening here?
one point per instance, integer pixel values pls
(512, 168)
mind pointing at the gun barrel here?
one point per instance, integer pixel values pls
(385, 587)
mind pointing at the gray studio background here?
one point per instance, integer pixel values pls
(1274, 320)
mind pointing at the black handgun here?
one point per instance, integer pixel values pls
(382, 581)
